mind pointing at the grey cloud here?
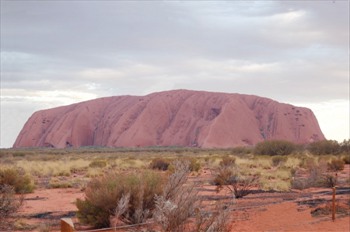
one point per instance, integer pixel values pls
(285, 50)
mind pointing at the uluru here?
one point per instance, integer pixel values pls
(171, 118)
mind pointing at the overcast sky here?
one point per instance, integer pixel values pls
(60, 52)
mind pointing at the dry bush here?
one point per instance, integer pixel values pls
(178, 201)
(227, 161)
(336, 165)
(193, 164)
(346, 159)
(179, 207)
(327, 209)
(241, 186)
(9, 205)
(16, 178)
(225, 170)
(160, 164)
(315, 176)
(278, 160)
(329, 180)
(103, 196)
(228, 176)
(98, 164)
(216, 221)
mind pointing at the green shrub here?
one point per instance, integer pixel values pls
(104, 194)
(274, 147)
(17, 178)
(324, 147)
(160, 164)
(98, 164)
(336, 165)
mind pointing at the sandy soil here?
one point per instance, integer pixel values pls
(287, 217)
(259, 211)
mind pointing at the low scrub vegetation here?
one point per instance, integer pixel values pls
(129, 186)
(314, 175)
(16, 178)
(346, 159)
(336, 165)
(274, 147)
(177, 202)
(329, 147)
(180, 202)
(229, 176)
(129, 196)
(171, 201)
(279, 160)
(159, 164)
(98, 164)
(9, 206)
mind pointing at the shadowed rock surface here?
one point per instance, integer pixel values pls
(170, 118)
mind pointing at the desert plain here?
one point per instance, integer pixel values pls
(276, 202)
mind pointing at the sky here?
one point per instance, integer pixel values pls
(57, 53)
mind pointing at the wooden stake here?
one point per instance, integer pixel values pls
(333, 205)
(67, 225)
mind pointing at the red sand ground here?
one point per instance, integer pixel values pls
(283, 216)
(255, 212)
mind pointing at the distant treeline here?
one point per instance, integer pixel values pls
(281, 147)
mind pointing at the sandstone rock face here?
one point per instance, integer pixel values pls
(170, 118)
